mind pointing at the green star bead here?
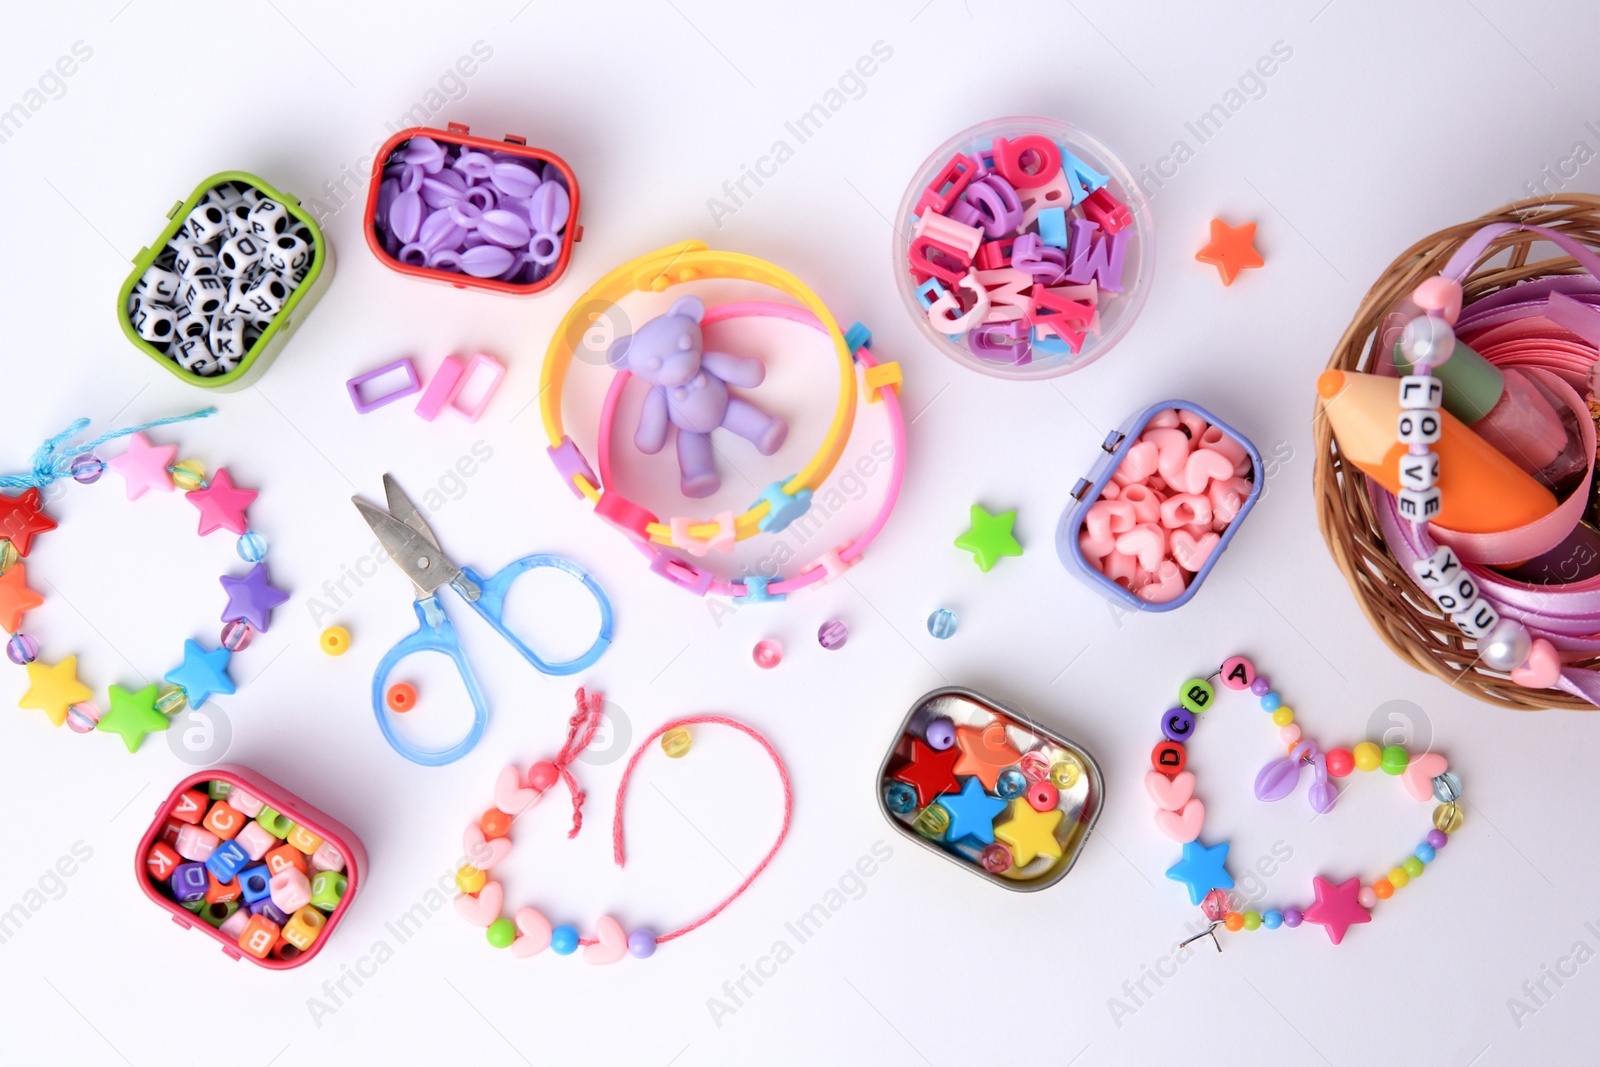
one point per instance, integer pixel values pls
(989, 537)
(133, 715)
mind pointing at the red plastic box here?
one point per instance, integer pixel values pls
(457, 134)
(280, 799)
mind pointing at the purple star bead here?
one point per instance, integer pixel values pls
(252, 598)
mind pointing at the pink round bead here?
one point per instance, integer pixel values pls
(996, 858)
(1289, 734)
(82, 718)
(543, 775)
(1035, 766)
(236, 635)
(767, 653)
(1238, 672)
(1368, 897)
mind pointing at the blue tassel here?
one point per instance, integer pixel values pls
(52, 460)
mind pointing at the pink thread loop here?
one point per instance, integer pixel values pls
(581, 729)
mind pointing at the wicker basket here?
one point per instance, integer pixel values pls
(1405, 618)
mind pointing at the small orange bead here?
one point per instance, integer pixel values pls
(495, 823)
(1383, 889)
(1233, 921)
(402, 697)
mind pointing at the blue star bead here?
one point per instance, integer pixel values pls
(782, 509)
(252, 598)
(972, 812)
(1202, 869)
(755, 591)
(203, 674)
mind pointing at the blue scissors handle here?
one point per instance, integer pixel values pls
(491, 604)
(435, 634)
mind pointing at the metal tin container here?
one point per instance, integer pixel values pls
(1038, 749)
(1114, 450)
(285, 802)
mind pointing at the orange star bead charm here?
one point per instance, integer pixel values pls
(16, 599)
(1232, 249)
(985, 752)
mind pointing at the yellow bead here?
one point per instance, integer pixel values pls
(469, 879)
(1367, 756)
(335, 640)
(188, 474)
(8, 556)
(1398, 878)
(1064, 773)
(1283, 717)
(1448, 818)
(932, 821)
(675, 742)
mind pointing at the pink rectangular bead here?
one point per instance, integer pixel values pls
(327, 858)
(442, 390)
(256, 839)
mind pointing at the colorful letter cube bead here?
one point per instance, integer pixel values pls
(258, 936)
(189, 883)
(196, 843)
(161, 861)
(227, 861)
(303, 927)
(304, 840)
(327, 889)
(219, 891)
(267, 908)
(224, 820)
(274, 822)
(244, 803)
(256, 883)
(169, 831)
(290, 889)
(327, 858)
(219, 790)
(191, 807)
(285, 857)
(234, 924)
(216, 912)
(256, 839)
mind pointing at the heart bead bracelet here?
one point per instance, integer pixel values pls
(1203, 868)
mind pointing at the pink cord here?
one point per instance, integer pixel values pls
(580, 731)
(619, 852)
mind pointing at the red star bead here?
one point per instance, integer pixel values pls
(929, 771)
(21, 519)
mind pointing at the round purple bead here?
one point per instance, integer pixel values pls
(833, 634)
(22, 650)
(1437, 838)
(1292, 917)
(641, 944)
(1261, 686)
(87, 468)
(941, 734)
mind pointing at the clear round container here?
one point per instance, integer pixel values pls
(1117, 310)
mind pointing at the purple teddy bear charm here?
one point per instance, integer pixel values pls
(690, 391)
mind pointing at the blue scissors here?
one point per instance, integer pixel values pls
(405, 535)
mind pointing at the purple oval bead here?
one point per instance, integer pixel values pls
(1292, 917)
(486, 261)
(87, 468)
(1261, 686)
(641, 944)
(22, 649)
(832, 634)
(940, 734)
(405, 216)
(514, 179)
(1438, 838)
(504, 228)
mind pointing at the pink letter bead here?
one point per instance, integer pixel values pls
(234, 924)
(196, 844)
(327, 858)
(244, 803)
(1238, 673)
(256, 839)
(290, 889)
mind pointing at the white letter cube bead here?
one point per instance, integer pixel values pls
(1418, 505)
(226, 338)
(207, 222)
(186, 323)
(239, 254)
(1477, 619)
(239, 218)
(265, 297)
(268, 219)
(204, 294)
(193, 355)
(1419, 471)
(154, 322)
(223, 195)
(1418, 427)
(1420, 392)
(159, 286)
(288, 254)
(190, 257)
(1438, 569)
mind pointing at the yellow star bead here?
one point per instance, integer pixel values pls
(53, 690)
(1030, 833)
(132, 715)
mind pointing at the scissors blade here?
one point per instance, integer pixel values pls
(416, 554)
(401, 507)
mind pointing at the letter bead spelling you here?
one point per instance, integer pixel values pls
(1456, 596)
(1418, 426)
(1419, 470)
(1421, 392)
(1441, 568)
(1477, 619)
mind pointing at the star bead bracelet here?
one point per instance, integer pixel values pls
(487, 842)
(1203, 868)
(54, 688)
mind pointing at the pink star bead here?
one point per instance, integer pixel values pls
(1338, 907)
(144, 466)
(222, 504)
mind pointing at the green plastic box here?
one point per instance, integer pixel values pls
(282, 327)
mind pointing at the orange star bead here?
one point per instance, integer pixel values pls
(1232, 249)
(985, 752)
(16, 599)
(22, 518)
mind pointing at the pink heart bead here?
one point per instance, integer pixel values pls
(1137, 465)
(1543, 668)
(1229, 446)
(483, 853)
(1190, 552)
(1183, 825)
(1168, 586)
(483, 907)
(1094, 549)
(1170, 794)
(1203, 467)
(509, 796)
(1146, 503)
(1191, 422)
(1173, 447)
(1185, 509)
(1420, 773)
(611, 943)
(534, 933)
(1147, 542)
(1108, 517)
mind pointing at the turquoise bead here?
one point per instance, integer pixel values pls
(901, 798)
(1272, 918)
(563, 940)
(1010, 784)
(1271, 702)
(1425, 852)
(942, 623)
(252, 547)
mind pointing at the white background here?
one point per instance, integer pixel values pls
(1389, 121)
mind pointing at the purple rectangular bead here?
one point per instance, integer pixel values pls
(266, 907)
(189, 882)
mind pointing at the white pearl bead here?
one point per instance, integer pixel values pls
(1506, 647)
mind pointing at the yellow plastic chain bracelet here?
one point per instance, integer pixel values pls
(687, 261)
